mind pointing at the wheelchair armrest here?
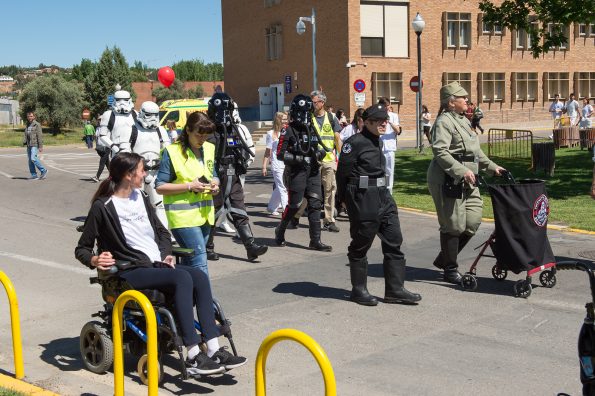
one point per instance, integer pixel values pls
(182, 252)
(114, 269)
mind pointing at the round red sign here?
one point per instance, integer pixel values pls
(414, 84)
(359, 85)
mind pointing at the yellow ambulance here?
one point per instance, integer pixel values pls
(178, 110)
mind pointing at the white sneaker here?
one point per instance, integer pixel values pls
(225, 226)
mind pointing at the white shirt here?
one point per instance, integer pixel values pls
(272, 144)
(572, 108)
(389, 139)
(348, 131)
(135, 223)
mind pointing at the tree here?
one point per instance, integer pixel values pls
(139, 71)
(196, 92)
(111, 70)
(197, 70)
(175, 91)
(57, 102)
(84, 70)
(543, 20)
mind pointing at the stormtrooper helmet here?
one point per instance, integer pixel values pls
(221, 108)
(149, 115)
(122, 102)
(300, 109)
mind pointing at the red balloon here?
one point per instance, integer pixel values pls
(166, 76)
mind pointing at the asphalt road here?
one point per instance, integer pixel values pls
(454, 343)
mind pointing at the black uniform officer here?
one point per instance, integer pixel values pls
(361, 185)
(230, 155)
(300, 149)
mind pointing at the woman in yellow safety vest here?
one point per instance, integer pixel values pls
(187, 180)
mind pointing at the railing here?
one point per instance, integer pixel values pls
(151, 326)
(308, 342)
(19, 370)
(509, 143)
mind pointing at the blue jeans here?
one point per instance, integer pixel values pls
(194, 238)
(89, 141)
(34, 161)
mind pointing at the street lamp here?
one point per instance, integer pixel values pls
(300, 27)
(418, 27)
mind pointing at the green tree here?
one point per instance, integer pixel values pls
(111, 70)
(554, 14)
(197, 70)
(84, 70)
(57, 102)
(11, 70)
(139, 72)
(175, 91)
(196, 92)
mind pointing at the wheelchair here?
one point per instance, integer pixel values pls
(96, 345)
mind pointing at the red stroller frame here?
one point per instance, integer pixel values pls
(514, 220)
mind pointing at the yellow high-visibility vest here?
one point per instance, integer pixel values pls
(327, 135)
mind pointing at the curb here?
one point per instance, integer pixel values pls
(23, 387)
(549, 226)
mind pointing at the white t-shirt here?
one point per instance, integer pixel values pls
(389, 139)
(348, 131)
(136, 226)
(572, 108)
(272, 145)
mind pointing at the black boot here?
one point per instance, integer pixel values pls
(252, 248)
(315, 242)
(359, 281)
(294, 223)
(449, 245)
(463, 240)
(288, 216)
(394, 281)
(211, 255)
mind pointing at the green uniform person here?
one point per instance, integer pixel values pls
(451, 178)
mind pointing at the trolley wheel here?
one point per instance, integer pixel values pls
(97, 348)
(141, 369)
(469, 282)
(547, 278)
(522, 288)
(499, 273)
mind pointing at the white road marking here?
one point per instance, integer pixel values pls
(6, 175)
(263, 196)
(46, 263)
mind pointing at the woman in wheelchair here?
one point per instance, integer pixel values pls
(126, 228)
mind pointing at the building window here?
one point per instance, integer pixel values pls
(273, 40)
(388, 85)
(462, 78)
(586, 30)
(492, 87)
(384, 29)
(556, 83)
(553, 28)
(270, 3)
(524, 86)
(523, 39)
(491, 30)
(585, 85)
(458, 30)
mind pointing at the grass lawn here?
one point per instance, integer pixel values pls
(10, 392)
(10, 137)
(568, 189)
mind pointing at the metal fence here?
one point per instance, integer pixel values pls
(509, 143)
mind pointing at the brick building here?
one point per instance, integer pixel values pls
(144, 90)
(264, 53)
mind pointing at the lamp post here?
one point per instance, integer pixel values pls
(418, 27)
(301, 29)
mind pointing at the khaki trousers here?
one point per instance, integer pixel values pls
(329, 189)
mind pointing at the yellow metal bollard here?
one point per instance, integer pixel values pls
(152, 363)
(17, 348)
(315, 349)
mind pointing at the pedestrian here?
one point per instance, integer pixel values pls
(33, 139)
(187, 179)
(556, 109)
(279, 196)
(356, 126)
(476, 119)
(586, 114)
(327, 126)
(426, 120)
(103, 152)
(389, 141)
(300, 148)
(362, 187)
(469, 111)
(342, 118)
(571, 108)
(89, 134)
(172, 132)
(451, 178)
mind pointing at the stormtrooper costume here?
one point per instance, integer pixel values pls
(115, 129)
(233, 154)
(147, 140)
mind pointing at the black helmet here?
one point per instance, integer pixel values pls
(220, 108)
(300, 109)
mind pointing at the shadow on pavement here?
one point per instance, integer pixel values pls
(311, 289)
(63, 353)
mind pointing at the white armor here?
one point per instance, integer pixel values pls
(123, 113)
(150, 140)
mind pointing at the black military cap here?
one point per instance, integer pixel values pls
(375, 112)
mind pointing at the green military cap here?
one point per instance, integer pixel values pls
(452, 89)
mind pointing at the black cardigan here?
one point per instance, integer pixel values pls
(102, 224)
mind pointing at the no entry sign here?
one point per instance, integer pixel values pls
(414, 84)
(359, 85)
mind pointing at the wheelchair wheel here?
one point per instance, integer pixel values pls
(547, 279)
(97, 348)
(141, 369)
(469, 282)
(499, 273)
(522, 288)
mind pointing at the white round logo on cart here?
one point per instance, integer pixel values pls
(346, 148)
(541, 210)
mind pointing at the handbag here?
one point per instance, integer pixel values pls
(450, 189)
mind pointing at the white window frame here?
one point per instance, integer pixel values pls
(556, 83)
(584, 84)
(522, 86)
(273, 42)
(586, 29)
(489, 84)
(393, 89)
(522, 38)
(462, 78)
(565, 31)
(491, 30)
(458, 21)
(386, 21)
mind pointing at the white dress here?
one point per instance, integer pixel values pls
(279, 197)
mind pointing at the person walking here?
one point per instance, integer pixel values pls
(172, 131)
(33, 139)
(89, 133)
(451, 178)
(389, 141)
(426, 120)
(279, 196)
(327, 126)
(556, 109)
(586, 114)
(103, 152)
(571, 108)
(356, 126)
(476, 119)
(362, 187)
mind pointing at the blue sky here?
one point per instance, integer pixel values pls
(62, 32)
